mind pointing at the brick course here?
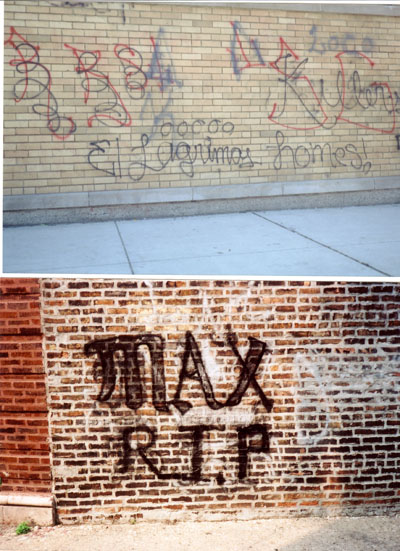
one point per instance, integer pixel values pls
(222, 399)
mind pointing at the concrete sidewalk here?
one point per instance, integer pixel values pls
(296, 534)
(343, 242)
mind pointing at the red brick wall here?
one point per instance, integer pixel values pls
(24, 455)
(197, 399)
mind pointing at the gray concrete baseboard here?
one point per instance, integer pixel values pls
(31, 508)
(189, 201)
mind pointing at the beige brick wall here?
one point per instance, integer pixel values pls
(121, 96)
(218, 399)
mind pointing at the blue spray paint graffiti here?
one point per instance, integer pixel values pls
(242, 59)
(161, 70)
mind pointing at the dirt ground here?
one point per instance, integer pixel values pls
(304, 534)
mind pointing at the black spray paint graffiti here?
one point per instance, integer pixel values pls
(365, 97)
(140, 439)
(69, 4)
(244, 445)
(131, 366)
(249, 366)
(351, 96)
(187, 155)
(123, 12)
(155, 86)
(36, 85)
(102, 148)
(303, 156)
(398, 141)
(132, 63)
(131, 372)
(189, 130)
(318, 112)
(105, 156)
(87, 4)
(347, 42)
(111, 111)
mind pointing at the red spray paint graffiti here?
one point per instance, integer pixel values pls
(303, 89)
(296, 76)
(374, 85)
(28, 64)
(94, 81)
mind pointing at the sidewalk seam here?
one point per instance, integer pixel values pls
(322, 244)
(125, 251)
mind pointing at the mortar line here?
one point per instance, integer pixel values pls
(125, 251)
(322, 244)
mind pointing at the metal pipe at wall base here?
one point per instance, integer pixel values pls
(27, 500)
